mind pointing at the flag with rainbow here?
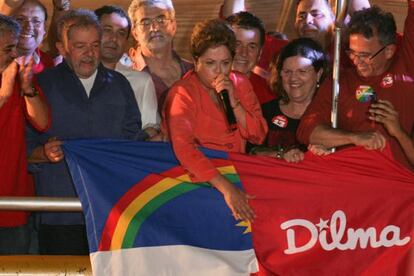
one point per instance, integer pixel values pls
(145, 217)
(348, 213)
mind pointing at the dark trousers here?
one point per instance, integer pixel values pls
(15, 240)
(63, 240)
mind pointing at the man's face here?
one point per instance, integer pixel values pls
(314, 19)
(32, 21)
(247, 50)
(81, 50)
(154, 28)
(114, 38)
(8, 52)
(368, 55)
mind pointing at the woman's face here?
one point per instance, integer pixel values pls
(214, 62)
(299, 78)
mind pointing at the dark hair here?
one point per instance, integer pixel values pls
(212, 33)
(8, 24)
(374, 21)
(78, 18)
(277, 35)
(247, 20)
(109, 9)
(304, 47)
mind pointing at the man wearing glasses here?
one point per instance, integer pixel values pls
(21, 103)
(314, 19)
(32, 16)
(154, 27)
(376, 95)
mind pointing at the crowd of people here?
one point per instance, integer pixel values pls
(90, 85)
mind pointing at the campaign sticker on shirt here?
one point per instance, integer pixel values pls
(387, 81)
(365, 94)
(280, 121)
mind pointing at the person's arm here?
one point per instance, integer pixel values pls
(315, 125)
(230, 7)
(8, 7)
(60, 7)
(36, 106)
(131, 123)
(148, 105)
(330, 137)
(255, 127)
(246, 107)
(180, 118)
(384, 112)
(50, 152)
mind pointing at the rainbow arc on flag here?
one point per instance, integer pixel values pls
(143, 199)
(152, 210)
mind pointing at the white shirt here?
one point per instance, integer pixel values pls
(144, 91)
(88, 83)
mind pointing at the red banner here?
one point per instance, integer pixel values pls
(349, 213)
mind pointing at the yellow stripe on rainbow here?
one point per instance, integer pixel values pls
(138, 203)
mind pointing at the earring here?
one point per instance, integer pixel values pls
(317, 84)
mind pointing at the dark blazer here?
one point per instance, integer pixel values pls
(110, 111)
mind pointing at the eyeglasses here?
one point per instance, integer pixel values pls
(364, 56)
(34, 21)
(161, 21)
(303, 72)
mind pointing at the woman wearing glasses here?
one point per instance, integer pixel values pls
(194, 115)
(295, 76)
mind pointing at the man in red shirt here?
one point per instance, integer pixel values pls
(250, 35)
(314, 19)
(376, 97)
(19, 101)
(32, 16)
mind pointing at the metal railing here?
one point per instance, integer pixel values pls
(43, 265)
(53, 204)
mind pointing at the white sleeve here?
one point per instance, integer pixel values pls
(144, 91)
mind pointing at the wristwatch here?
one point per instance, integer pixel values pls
(32, 94)
(280, 152)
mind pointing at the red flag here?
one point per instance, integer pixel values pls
(349, 213)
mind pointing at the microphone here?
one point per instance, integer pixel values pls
(228, 110)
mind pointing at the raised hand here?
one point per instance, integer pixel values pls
(61, 5)
(26, 75)
(8, 78)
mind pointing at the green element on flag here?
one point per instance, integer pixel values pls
(146, 211)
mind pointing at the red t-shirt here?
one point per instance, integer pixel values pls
(13, 160)
(271, 47)
(395, 85)
(261, 88)
(45, 62)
